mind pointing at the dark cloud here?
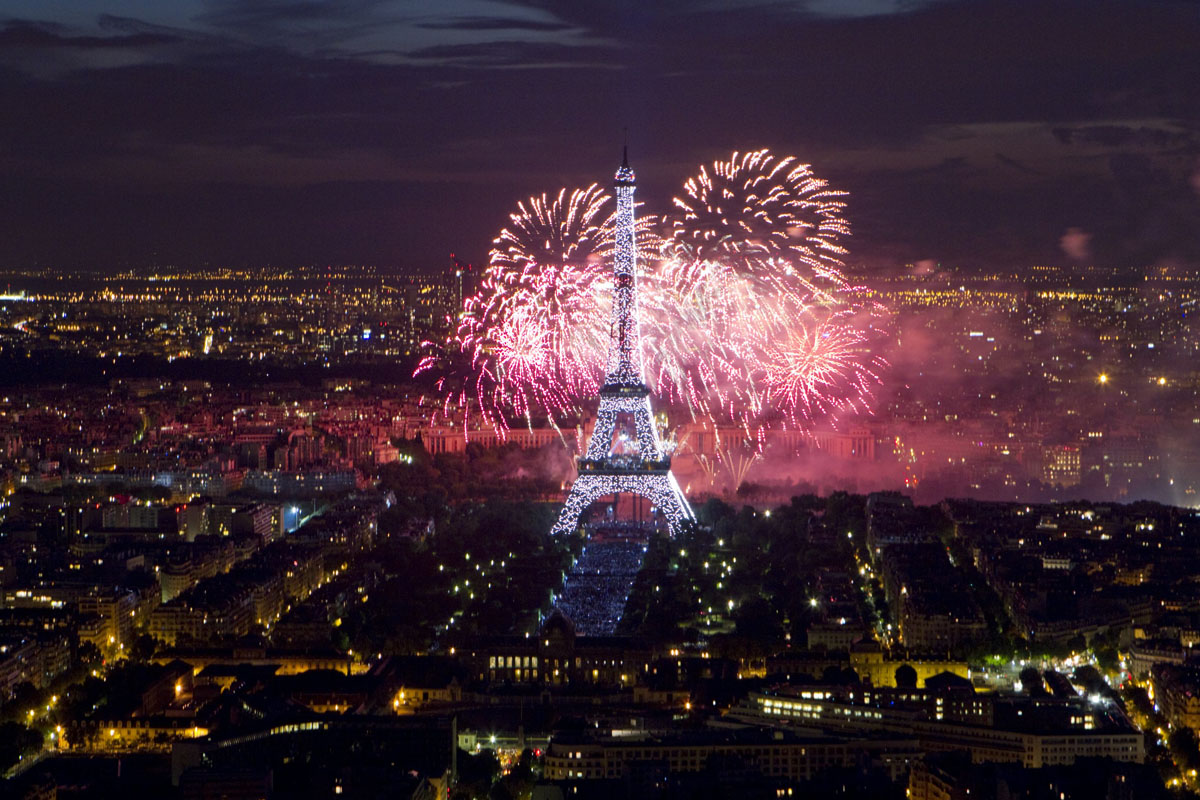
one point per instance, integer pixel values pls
(1128, 136)
(34, 35)
(1017, 165)
(493, 24)
(967, 132)
(522, 55)
(863, 8)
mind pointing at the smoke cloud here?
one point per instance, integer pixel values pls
(1076, 244)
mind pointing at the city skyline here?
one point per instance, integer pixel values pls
(361, 437)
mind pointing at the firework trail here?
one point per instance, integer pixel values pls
(738, 463)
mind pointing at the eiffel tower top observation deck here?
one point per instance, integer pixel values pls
(604, 470)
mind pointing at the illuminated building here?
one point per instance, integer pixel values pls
(1061, 465)
(607, 467)
(992, 729)
(779, 755)
(36, 658)
(108, 619)
(1176, 690)
(557, 656)
(879, 668)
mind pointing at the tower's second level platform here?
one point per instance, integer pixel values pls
(624, 465)
(614, 389)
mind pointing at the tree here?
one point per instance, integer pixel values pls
(144, 647)
(808, 502)
(476, 772)
(1184, 747)
(843, 677)
(1031, 681)
(519, 782)
(906, 677)
(88, 653)
(24, 697)
(1091, 679)
(756, 620)
(1137, 697)
(16, 741)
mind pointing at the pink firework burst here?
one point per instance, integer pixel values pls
(532, 339)
(818, 368)
(755, 211)
(745, 314)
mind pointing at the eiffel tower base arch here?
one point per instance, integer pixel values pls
(661, 489)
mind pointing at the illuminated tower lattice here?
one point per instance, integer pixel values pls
(616, 464)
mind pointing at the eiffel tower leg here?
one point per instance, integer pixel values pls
(602, 432)
(647, 431)
(671, 502)
(586, 490)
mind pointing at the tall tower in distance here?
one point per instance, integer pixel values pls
(614, 462)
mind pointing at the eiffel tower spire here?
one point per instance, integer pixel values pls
(606, 468)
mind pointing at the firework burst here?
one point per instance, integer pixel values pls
(566, 230)
(821, 367)
(533, 337)
(758, 351)
(746, 318)
(755, 211)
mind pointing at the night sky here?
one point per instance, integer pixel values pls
(248, 132)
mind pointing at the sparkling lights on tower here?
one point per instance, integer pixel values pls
(607, 469)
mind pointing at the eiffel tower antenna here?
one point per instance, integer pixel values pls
(603, 470)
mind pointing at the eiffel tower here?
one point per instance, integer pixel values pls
(606, 468)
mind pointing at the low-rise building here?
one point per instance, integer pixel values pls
(1176, 690)
(781, 755)
(1031, 732)
(878, 668)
